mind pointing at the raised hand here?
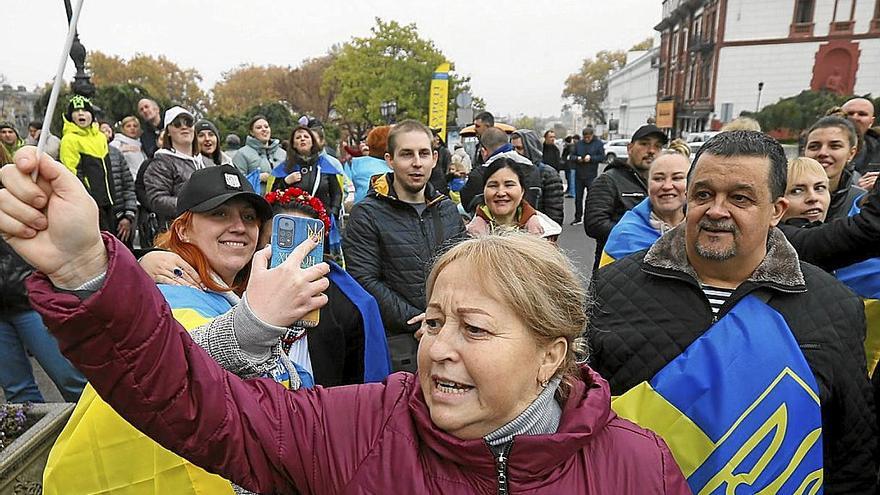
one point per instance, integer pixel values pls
(285, 294)
(53, 223)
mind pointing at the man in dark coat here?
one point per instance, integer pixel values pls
(151, 115)
(395, 232)
(588, 153)
(621, 186)
(860, 111)
(722, 303)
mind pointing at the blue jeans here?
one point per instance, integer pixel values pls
(570, 178)
(25, 331)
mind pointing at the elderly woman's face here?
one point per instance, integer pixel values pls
(132, 128)
(479, 366)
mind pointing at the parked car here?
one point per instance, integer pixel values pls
(695, 140)
(616, 148)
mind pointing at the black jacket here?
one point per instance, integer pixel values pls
(124, 199)
(438, 174)
(869, 152)
(650, 308)
(13, 272)
(551, 156)
(336, 345)
(618, 190)
(841, 242)
(847, 192)
(389, 247)
(329, 191)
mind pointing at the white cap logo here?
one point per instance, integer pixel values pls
(232, 181)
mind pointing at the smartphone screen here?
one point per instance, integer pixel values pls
(873, 167)
(288, 232)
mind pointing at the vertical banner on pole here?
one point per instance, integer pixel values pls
(439, 99)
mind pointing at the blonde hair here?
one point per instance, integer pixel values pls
(742, 124)
(460, 162)
(537, 281)
(679, 147)
(798, 167)
(128, 119)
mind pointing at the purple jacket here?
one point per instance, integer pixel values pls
(373, 438)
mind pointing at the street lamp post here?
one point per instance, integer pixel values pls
(758, 103)
(388, 109)
(82, 84)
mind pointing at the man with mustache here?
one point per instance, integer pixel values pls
(718, 332)
(622, 186)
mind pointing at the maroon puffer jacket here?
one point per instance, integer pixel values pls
(374, 438)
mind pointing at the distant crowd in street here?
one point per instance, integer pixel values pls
(732, 309)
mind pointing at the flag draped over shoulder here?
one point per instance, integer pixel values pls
(864, 279)
(739, 408)
(632, 233)
(98, 452)
(377, 362)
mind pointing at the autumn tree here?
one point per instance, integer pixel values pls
(589, 86)
(393, 63)
(160, 77)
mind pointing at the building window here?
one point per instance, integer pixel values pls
(875, 22)
(802, 22)
(726, 112)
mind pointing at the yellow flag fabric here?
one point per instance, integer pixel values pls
(439, 99)
(98, 452)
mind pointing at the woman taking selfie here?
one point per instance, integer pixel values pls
(497, 381)
(216, 232)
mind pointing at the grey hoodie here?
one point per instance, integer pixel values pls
(532, 143)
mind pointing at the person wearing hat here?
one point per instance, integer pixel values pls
(9, 138)
(209, 144)
(216, 231)
(160, 180)
(85, 152)
(622, 186)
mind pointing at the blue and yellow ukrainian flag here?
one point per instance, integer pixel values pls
(739, 408)
(631, 234)
(864, 279)
(100, 453)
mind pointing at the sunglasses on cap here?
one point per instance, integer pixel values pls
(182, 121)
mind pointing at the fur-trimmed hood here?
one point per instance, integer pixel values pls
(780, 268)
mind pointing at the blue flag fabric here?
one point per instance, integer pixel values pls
(254, 178)
(631, 234)
(863, 278)
(328, 165)
(739, 408)
(377, 361)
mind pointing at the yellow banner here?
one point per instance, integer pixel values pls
(439, 99)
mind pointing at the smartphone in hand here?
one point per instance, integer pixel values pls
(288, 232)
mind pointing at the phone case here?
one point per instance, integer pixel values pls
(288, 232)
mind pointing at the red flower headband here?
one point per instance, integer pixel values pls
(297, 195)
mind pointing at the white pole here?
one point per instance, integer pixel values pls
(56, 85)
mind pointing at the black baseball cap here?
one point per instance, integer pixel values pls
(210, 187)
(649, 130)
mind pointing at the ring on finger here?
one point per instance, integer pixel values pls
(178, 272)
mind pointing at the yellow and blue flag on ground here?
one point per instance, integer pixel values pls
(739, 408)
(98, 452)
(631, 234)
(864, 279)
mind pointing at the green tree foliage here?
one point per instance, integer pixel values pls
(394, 63)
(160, 77)
(589, 86)
(800, 111)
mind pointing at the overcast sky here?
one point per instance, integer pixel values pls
(517, 52)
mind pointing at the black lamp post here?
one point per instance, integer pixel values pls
(388, 109)
(758, 103)
(82, 84)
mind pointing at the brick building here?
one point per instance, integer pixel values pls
(714, 54)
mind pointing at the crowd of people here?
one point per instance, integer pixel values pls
(732, 312)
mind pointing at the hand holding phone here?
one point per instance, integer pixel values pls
(290, 231)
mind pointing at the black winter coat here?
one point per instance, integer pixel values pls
(847, 191)
(650, 308)
(869, 152)
(329, 190)
(618, 190)
(841, 242)
(389, 247)
(336, 345)
(438, 174)
(13, 272)
(124, 198)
